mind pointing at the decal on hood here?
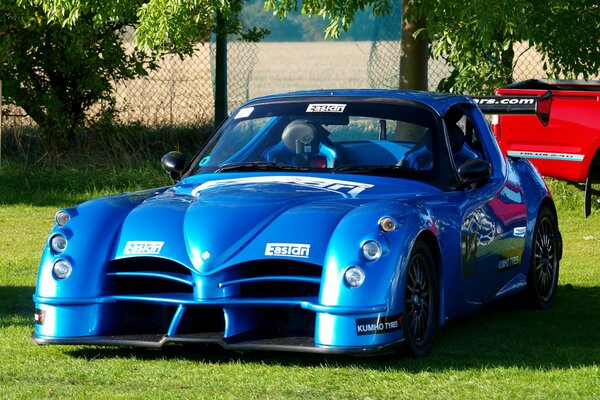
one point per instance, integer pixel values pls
(139, 247)
(345, 188)
(288, 250)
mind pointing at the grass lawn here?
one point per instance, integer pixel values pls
(501, 352)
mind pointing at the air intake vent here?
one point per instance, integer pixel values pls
(148, 275)
(275, 278)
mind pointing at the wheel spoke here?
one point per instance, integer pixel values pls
(414, 326)
(422, 327)
(539, 267)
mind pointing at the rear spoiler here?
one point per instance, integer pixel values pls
(538, 105)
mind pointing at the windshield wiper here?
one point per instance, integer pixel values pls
(258, 166)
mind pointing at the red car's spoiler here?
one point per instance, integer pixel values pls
(538, 105)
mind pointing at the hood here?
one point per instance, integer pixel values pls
(231, 218)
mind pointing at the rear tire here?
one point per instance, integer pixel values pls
(420, 301)
(543, 269)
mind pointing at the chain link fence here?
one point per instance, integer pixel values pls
(383, 69)
(180, 93)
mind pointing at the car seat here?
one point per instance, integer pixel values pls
(420, 157)
(302, 146)
(461, 151)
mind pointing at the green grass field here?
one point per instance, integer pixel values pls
(502, 352)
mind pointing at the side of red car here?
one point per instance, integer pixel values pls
(568, 147)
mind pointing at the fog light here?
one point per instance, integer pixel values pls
(355, 276)
(58, 243)
(61, 218)
(62, 269)
(371, 250)
(387, 224)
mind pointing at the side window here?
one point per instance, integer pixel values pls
(462, 137)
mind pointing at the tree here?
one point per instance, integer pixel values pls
(60, 57)
(476, 36)
(56, 73)
(339, 13)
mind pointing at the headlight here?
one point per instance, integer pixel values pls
(371, 250)
(58, 243)
(62, 217)
(355, 276)
(62, 269)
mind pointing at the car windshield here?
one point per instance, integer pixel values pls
(332, 136)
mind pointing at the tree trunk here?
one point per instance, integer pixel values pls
(414, 54)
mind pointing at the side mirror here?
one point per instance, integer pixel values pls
(173, 162)
(474, 171)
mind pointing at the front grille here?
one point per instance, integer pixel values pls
(140, 319)
(148, 275)
(275, 278)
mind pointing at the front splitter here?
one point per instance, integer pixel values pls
(284, 344)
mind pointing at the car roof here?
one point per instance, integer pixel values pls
(440, 102)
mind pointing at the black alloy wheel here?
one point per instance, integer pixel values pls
(543, 271)
(420, 301)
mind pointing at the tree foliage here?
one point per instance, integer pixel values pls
(60, 57)
(299, 27)
(339, 13)
(56, 73)
(476, 37)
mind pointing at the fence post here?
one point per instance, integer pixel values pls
(220, 71)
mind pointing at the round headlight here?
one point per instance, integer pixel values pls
(58, 243)
(371, 250)
(61, 218)
(62, 269)
(387, 224)
(355, 276)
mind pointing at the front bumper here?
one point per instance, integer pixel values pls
(241, 324)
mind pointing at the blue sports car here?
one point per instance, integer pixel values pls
(348, 221)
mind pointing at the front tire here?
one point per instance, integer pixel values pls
(420, 301)
(544, 265)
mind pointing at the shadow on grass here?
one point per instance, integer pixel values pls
(502, 335)
(16, 306)
(67, 187)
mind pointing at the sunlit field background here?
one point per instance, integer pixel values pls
(503, 352)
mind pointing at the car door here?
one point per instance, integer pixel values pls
(493, 212)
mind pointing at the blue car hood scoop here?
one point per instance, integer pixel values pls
(211, 224)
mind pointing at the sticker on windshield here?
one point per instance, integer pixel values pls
(329, 108)
(204, 161)
(244, 112)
